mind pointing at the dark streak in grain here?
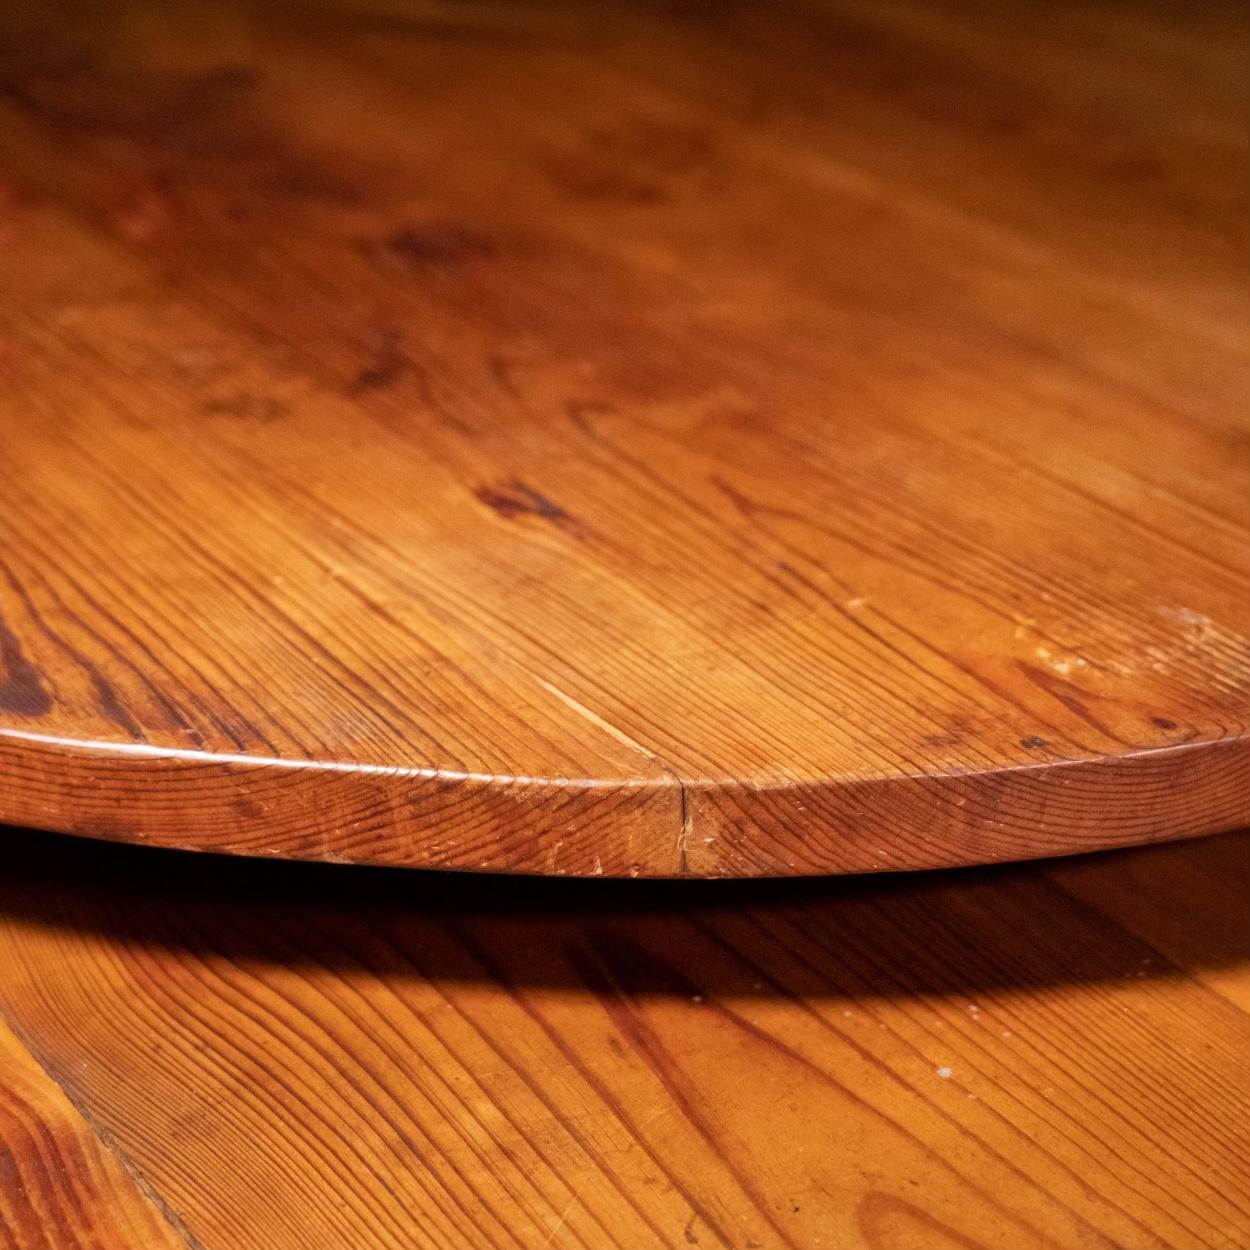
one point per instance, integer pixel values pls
(21, 684)
(435, 246)
(387, 365)
(515, 499)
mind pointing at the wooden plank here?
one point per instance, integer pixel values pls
(296, 1055)
(642, 440)
(60, 1187)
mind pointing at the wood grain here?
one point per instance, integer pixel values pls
(61, 1186)
(646, 439)
(1031, 1056)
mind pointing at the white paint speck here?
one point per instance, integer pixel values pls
(1061, 664)
(945, 1073)
(1187, 616)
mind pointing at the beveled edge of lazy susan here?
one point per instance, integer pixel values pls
(350, 812)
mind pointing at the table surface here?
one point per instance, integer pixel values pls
(211, 1054)
(640, 439)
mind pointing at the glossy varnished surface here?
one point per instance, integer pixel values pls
(233, 1055)
(626, 439)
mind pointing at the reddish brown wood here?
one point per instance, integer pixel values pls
(61, 1187)
(1049, 1056)
(624, 440)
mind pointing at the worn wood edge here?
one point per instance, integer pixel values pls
(644, 827)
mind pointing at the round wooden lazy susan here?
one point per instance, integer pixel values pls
(586, 442)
